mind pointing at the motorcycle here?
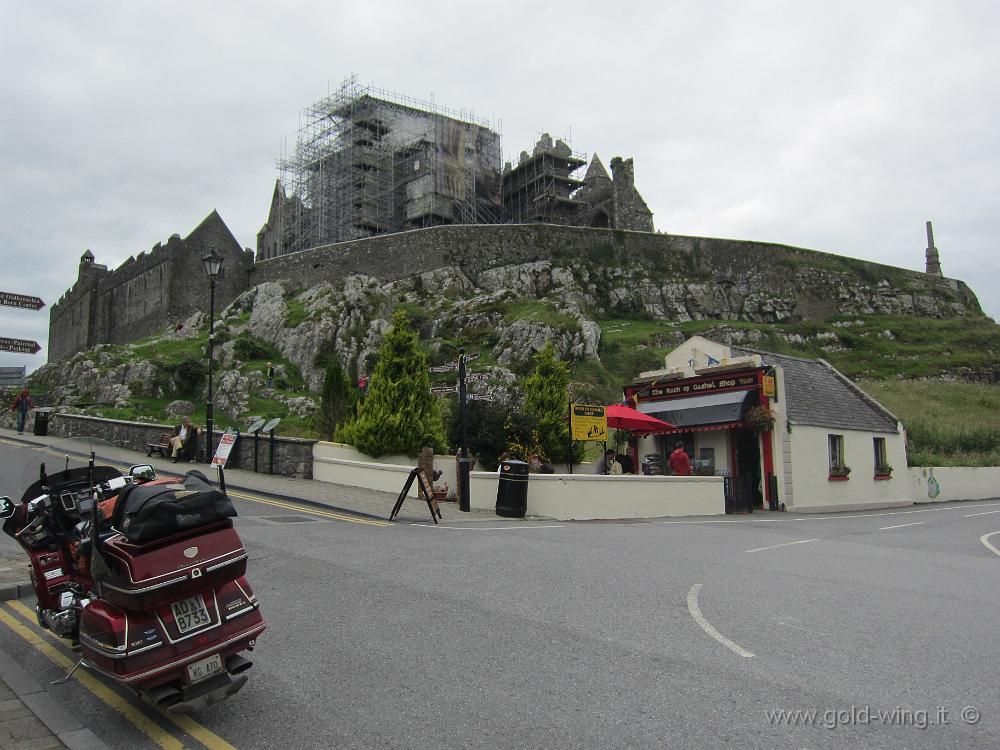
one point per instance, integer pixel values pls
(146, 577)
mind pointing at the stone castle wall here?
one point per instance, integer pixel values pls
(675, 277)
(146, 292)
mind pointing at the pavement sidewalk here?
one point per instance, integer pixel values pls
(30, 717)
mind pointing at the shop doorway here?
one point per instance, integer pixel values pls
(742, 489)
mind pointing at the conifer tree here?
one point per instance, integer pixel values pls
(338, 399)
(399, 414)
(545, 399)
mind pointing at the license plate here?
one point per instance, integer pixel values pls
(200, 670)
(190, 614)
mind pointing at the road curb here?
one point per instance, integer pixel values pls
(10, 591)
(46, 708)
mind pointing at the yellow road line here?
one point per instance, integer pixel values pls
(313, 511)
(201, 733)
(142, 722)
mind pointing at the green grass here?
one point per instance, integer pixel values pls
(297, 313)
(947, 423)
(542, 312)
(167, 352)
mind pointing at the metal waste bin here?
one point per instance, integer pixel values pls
(41, 422)
(512, 490)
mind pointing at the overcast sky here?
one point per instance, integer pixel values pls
(840, 127)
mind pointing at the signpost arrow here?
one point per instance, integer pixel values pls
(470, 357)
(442, 368)
(444, 389)
(21, 300)
(21, 346)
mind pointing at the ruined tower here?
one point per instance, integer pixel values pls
(931, 255)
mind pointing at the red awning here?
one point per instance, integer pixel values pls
(622, 417)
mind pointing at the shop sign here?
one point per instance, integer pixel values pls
(588, 422)
(768, 386)
(678, 389)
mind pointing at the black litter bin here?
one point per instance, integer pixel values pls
(512, 490)
(41, 423)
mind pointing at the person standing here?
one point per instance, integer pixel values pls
(680, 464)
(22, 405)
(270, 375)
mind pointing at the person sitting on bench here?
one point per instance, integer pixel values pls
(184, 443)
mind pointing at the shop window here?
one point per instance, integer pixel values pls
(838, 467)
(883, 470)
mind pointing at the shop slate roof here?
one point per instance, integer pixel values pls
(821, 396)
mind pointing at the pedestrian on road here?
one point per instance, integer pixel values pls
(270, 375)
(22, 405)
(680, 464)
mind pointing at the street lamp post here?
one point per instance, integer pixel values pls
(463, 460)
(213, 264)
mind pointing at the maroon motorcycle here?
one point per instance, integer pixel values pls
(145, 576)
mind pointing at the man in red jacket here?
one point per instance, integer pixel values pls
(680, 464)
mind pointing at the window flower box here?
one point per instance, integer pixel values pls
(839, 473)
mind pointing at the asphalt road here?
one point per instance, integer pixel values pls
(878, 626)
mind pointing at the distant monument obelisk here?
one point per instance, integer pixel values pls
(933, 261)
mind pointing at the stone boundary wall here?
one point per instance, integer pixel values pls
(292, 456)
(812, 281)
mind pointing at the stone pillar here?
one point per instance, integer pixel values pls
(931, 255)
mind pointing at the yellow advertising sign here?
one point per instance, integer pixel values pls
(769, 389)
(588, 422)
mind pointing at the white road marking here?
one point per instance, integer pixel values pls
(707, 626)
(487, 528)
(799, 627)
(785, 544)
(985, 540)
(973, 515)
(830, 517)
(899, 526)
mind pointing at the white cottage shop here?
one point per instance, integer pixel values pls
(783, 431)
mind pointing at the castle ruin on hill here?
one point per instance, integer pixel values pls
(388, 187)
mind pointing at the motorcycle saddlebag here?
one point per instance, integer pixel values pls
(146, 512)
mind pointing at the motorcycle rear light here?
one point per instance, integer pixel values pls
(105, 628)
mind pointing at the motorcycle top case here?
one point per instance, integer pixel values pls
(198, 550)
(151, 511)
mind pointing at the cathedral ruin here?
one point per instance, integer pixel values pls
(368, 162)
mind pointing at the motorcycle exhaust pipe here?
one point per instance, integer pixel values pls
(236, 664)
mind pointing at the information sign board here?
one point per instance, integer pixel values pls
(588, 422)
(225, 447)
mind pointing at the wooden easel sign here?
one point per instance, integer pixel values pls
(423, 489)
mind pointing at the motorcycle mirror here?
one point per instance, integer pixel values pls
(143, 472)
(6, 507)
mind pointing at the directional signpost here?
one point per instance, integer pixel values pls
(23, 301)
(9, 299)
(21, 346)
(463, 397)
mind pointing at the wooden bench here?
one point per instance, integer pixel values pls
(162, 447)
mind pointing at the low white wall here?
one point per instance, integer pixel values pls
(342, 464)
(953, 483)
(586, 496)
(561, 496)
